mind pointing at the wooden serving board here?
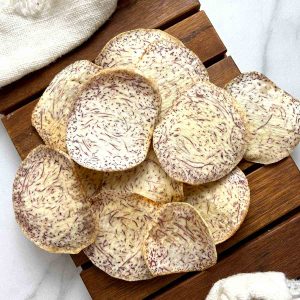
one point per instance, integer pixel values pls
(269, 239)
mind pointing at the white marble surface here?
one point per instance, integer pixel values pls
(260, 35)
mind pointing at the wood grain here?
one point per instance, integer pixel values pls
(276, 250)
(79, 259)
(274, 192)
(244, 165)
(22, 133)
(199, 35)
(130, 15)
(25, 137)
(223, 72)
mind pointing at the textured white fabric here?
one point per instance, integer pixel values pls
(249, 286)
(33, 33)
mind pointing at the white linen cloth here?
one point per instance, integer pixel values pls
(258, 286)
(34, 33)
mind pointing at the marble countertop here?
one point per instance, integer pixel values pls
(260, 35)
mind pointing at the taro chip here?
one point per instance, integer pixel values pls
(52, 111)
(223, 204)
(127, 48)
(202, 138)
(174, 67)
(273, 117)
(50, 205)
(113, 120)
(178, 241)
(124, 220)
(147, 179)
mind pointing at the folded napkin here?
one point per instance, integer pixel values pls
(33, 33)
(258, 286)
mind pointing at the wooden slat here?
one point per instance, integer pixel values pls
(276, 250)
(79, 259)
(274, 192)
(199, 35)
(223, 72)
(24, 136)
(141, 13)
(244, 165)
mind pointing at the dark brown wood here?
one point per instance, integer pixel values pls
(244, 165)
(79, 259)
(130, 15)
(199, 35)
(274, 193)
(220, 75)
(102, 286)
(20, 130)
(24, 136)
(276, 250)
(223, 71)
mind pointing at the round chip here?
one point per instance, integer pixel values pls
(202, 138)
(174, 67)
(112, 124)
(49, 203)
(178, 241)
(273, 117)
(147, 179)
(52, 111)
(123, 222)
(223, 204)
(127, 48)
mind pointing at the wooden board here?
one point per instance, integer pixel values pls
(274, 188)
(130, 15)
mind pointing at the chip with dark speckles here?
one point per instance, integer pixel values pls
(111, 126)
(223, 204)
(178, 241)
(50, 205)
(174, 67)
(124, 220)
(50, 115)
(273, 117)
(147, 179)
(202, 138)
(127, 48)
